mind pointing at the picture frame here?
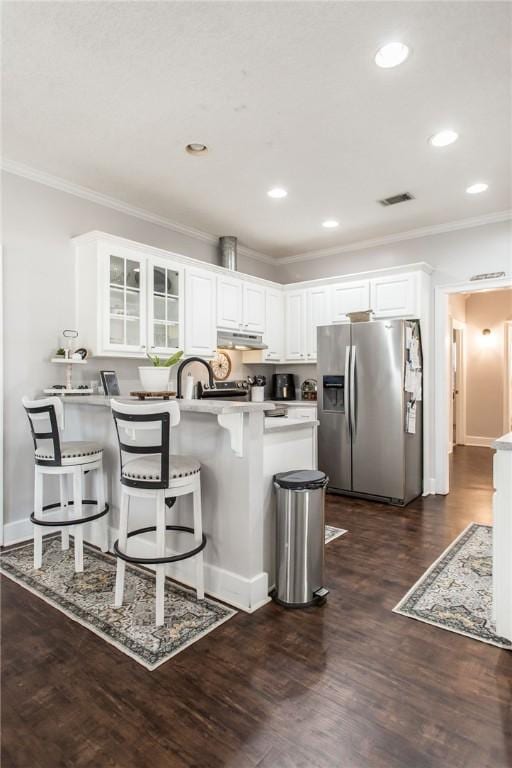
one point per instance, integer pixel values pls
(110, 383)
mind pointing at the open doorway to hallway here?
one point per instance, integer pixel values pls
(480, 395)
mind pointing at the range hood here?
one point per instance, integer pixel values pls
(239, 340)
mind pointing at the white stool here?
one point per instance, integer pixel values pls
(151, 472)
(70, 461)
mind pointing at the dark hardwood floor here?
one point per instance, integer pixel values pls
(348, 685)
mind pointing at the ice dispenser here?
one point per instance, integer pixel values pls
(334, 393)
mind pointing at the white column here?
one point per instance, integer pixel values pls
(502, 537)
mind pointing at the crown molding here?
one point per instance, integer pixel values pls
(55, 182)
(412, 234)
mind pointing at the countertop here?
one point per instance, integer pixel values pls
(272, 424)
(503, 443)
(211, 405)
(311, 403)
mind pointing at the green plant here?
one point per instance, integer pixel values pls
(172, 360)
(60, 352)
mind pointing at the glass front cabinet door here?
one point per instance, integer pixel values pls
(125, 318)
(165, 307)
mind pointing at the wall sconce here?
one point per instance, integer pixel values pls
(486, 338)
(486, 332)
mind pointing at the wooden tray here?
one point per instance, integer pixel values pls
(160, 395)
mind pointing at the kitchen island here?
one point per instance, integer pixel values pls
(239, 450)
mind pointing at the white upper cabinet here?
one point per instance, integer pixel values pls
(165, 307)
(317, 313)
(349, 297)
(295, 325)
(274, 326)
(229, 303)
(240, 305)
(121, 309)
(254, 307)
(200, 313)
(395, 295)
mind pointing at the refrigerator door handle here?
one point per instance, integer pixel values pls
(347, 388)
(352, 397)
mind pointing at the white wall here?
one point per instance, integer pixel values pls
(38, 223)
(485, 364)
(456, 256)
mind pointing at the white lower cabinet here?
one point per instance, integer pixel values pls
(295, 325)
(200, 313)
(394, 296)
(306, 412)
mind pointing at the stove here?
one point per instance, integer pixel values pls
(237, 389)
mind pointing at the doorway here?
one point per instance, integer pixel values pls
(472, 393)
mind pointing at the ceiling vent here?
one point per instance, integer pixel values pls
(395, 199)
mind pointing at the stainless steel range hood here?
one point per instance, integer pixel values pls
(239, 340)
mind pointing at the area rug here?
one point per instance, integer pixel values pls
(456, 591)
(332, 533)
(87, 598)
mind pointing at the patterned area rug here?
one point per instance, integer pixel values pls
(456, 591)
(332, 533)
(88, 599)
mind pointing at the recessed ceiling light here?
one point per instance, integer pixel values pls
(195, 148)
(475, 189)
(330, 223)
(443, 138)
(277, 192)
(391, 55)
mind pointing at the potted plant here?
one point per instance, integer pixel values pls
(155, 377)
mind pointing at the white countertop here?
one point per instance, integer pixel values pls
(210, 405)
(503, 443)
(273, 424)
(310, 403)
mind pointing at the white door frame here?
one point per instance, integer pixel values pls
(442, 355)
(460, 402)
(507, 388)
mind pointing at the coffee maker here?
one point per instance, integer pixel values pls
(283, 386)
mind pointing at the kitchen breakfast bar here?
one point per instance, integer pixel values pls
(240, 449)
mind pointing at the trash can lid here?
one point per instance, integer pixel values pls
(301, 479)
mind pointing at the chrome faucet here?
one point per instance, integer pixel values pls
(184, 364)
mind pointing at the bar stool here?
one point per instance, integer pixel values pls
(69, 461)
(149, 471)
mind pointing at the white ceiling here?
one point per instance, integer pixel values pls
(107, 95)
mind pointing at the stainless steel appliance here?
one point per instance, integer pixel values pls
(300, 540)
(370, 435)
(238, 389)
(283, 386)
(243, 340)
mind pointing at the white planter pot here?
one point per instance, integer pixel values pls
(154, 378)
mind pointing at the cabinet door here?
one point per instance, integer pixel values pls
(273, 336)
(254, 308)
(124, 310)
(200, 300)
(317, 313)
(394, 296)
(229, 303)
(295, 341)
(165, 307)
(349, 297)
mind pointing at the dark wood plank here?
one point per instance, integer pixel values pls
(348, 685)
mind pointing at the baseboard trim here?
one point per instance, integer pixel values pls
(479, 441)
(243, 593)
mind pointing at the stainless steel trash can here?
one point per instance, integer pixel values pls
(300, 538)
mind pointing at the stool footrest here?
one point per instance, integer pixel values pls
(72, 521)
(159, 560)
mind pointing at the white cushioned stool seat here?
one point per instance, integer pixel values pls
(73, 452)
(149, 468)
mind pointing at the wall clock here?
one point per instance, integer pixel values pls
(221, 366)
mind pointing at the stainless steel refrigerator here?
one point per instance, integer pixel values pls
(370, 437)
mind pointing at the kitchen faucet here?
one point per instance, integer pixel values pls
(184, 364)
